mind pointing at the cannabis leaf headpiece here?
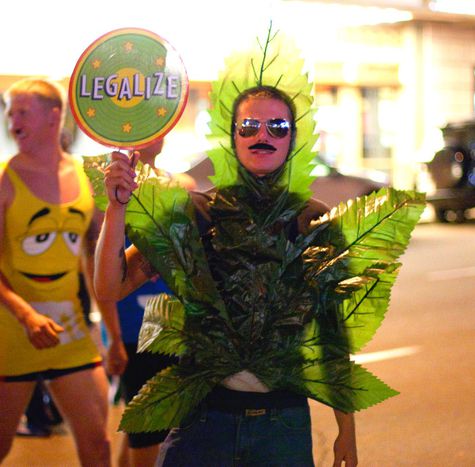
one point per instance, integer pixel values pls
(274, 62)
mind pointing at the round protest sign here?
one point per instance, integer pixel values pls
(128, 88)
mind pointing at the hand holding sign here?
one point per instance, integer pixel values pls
(128, 88)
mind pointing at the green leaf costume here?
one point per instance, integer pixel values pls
(249, 295)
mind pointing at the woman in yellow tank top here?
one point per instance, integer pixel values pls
(45, 212)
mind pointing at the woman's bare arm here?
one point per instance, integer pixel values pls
(117, 272)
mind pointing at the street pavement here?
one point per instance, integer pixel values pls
(431, 315)
(425, 349)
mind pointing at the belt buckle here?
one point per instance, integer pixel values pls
(255, 412)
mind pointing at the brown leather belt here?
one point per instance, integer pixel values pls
(254, 412)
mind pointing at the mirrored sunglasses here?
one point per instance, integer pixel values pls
(276, 127)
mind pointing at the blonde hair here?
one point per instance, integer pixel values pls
(48, 92)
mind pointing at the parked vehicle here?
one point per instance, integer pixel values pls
(453, 172)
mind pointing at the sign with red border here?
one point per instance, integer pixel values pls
(128, 88)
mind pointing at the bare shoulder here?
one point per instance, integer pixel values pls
(184, 180)
(72, 160)
(6, 186)
(201, 202)
(314, 209)
(7, 193)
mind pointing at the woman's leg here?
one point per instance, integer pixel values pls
(14, 398)
(123, 459)
(142, 447)
(82, 400)
(144, 457)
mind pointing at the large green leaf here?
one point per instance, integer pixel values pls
(163, 326)
(94, 166)
(345, 385)
(376, 227)
(290, 310)
(165, 400)
(270, 295)
(355, 259)
(161, 223)
(363, 311)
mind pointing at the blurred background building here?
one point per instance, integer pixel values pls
(388, 74)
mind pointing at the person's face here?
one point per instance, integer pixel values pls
(30, 121)
(262, 153)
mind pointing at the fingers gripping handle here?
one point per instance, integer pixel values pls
(133, 161)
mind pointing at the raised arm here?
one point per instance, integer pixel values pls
(117, 273)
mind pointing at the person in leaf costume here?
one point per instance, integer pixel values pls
(271, 292)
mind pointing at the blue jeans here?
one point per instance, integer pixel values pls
(211, 438)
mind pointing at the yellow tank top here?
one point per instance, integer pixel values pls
(41, 260)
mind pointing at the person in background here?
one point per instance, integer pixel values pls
(48, 230)
(148, 156)
(141, 449)
(262, 135)
(41, 415)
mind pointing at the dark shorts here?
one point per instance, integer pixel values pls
(48, 375)
(140, 368)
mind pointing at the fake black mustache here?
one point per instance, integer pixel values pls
(265, 146)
